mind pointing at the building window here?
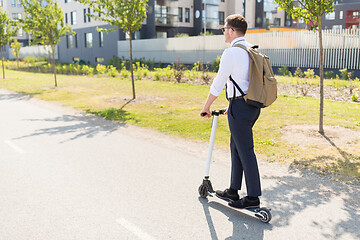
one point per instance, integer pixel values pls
(221, 18)
(84, 15)
(222, 0)
(88, 40)
(330, 16)
(19, 3)
(341, 15)
(161, 34)
(137, 35)
(101, 39)
(180, 14)
(99, 59)
(66, 18)
(89, 15)
(16, 15)
(73, 18)
(67, 1)
(76, 40)
(13, 3)
(70, 41)
(187, 14)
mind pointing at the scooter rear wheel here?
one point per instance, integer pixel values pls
(265, 215)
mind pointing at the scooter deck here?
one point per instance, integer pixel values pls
(261, 213)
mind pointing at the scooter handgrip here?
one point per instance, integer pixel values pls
(222, 111)
(203, 114)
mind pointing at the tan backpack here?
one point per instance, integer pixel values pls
(262, 91)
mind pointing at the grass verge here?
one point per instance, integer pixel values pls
(174, 109)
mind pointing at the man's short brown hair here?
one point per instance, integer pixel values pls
(237, 22)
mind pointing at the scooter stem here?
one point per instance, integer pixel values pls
(211, 143)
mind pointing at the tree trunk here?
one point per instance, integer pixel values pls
(17, 59)
(321, 117)
(131, 68)
(53, 60)
(2, 61)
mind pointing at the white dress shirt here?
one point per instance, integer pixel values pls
(235, 62)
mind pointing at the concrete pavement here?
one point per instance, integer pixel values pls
(68, 175)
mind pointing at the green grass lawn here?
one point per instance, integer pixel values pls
(174, 109)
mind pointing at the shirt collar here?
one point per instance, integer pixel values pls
(237, 40)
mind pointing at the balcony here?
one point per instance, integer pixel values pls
(166, 13)
(211, 2)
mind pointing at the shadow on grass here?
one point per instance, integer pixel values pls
(345, 168)
(115, 115)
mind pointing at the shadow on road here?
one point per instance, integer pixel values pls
(289, 198)
(77, 126)
(244, 226)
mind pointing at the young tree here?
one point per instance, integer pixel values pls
(45, 22)
(15, 45)
(8, 29)
(127, 15)
(311, 11)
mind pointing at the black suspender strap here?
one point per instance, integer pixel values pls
(237, 86)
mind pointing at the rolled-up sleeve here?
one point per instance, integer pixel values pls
(226, 64)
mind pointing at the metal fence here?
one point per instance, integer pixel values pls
(293, 49)
(301, 48)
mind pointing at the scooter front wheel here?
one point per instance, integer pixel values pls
(203, 192)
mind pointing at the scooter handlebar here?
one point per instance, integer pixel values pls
(214, 112)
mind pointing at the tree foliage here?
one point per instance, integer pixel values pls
(127, 15)
(16, 46)
(311, 11)
(8, 30)
(45, 22)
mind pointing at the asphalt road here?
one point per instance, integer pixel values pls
(68, 175)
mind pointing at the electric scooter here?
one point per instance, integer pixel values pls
(206, 188)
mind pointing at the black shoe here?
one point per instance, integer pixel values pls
(245, 203)
(226, 195)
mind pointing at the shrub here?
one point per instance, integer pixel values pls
(30, 59)
(205, 72)
(310, 73)
(87, 70)
(215, 65)
(101, 69)
(111, 71)
(303, 85)
(179, 35)
(178, 70)
(125, 73)
(157, 74)
(355, 97)
(284, 71)
(298, 72)
(329, 74)
(345, 74)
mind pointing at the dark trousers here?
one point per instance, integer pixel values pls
(242, 118)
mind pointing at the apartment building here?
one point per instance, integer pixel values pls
(165, 19)
(345, 16)
(16, 11)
